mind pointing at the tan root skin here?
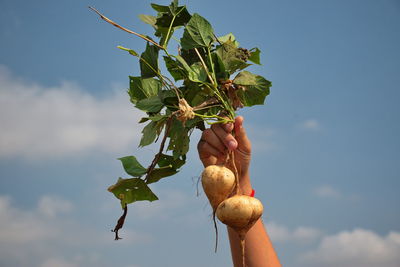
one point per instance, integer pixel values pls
(240, 212)
(218, 183)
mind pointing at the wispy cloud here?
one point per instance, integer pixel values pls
(44, 122)
(326, 191)
(310, 125)
(281, 233)
(357, 248)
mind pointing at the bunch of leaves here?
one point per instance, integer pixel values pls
(212, 86)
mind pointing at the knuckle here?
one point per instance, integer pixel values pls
(206, 134)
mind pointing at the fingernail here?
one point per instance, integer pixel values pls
(232, 145)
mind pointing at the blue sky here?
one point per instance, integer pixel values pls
(325, 164)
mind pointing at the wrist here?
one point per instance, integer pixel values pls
(245, 185)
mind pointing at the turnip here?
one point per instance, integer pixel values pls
(218, 183)
(240, 212)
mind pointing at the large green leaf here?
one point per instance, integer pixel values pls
(233, 58)
(181, 15)
(197, 73)
(176, 69)
(152, 104)
(179, 139)
(198, 33)
(141, 88)
(252, 88)
(149, 61)
(159, 173)
(131, 190)
(151, 131)
(160, 8)
(132, 166)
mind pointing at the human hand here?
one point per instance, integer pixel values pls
(216, 142)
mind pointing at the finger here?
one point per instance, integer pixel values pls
(244, 144)
(207, 153)
(224, 136)
(212, 139)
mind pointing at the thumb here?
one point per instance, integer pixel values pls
(244, 144)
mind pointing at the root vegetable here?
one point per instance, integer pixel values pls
(218, 183)
(240, 213)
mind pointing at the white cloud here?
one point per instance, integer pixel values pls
(358, 248)
(58, 263)
(327, 191)
(310, 125)
(49, 235)
(302, 234)
(50, 206)
(42, 122)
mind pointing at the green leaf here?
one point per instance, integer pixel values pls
(233, 58)
(149, 61)
(152, 104)
(176, 69)
(143, 88)
(151, 131)
(151, 20)
(198, 33)
(158, 117)
(160, 8)
(255, 55)
(229, 37)
(197, 73)
(167, 160)
(159, 173)
(183, 62)
(181, 15)
(252, 88)
(132, 190)
(132, 166)
(179, 139)
(191, 57)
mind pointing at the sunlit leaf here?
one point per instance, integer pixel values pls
(255, 55)
(132, 190)
(198, 33)
(252, 88)
(132, 166)
(141, 88)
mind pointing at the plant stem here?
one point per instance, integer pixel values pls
(205, 68)
(124, 29)
(170, 27)
(158, 155)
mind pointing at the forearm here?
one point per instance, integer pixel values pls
(259, 251)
